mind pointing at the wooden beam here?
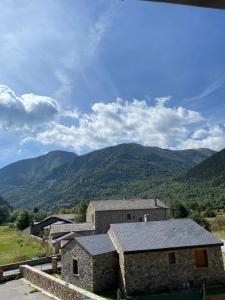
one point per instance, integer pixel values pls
(219, 4)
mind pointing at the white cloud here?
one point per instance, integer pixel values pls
(200, 133)
(26, 111)
(41, 119)
(212, 88)
(214, 138)
(123, 121)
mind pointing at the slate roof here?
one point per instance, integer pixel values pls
(65, 216)
(96, 244)
(102, 205)
(66, 237)
(71, 227)
(156, 235)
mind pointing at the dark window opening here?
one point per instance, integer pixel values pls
(172, 258)
(75, 267)
(201, 258)
(140, 219)
(128, 216)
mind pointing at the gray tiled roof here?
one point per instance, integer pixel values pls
(65, 216)
(66, 237)
(155, 235)
(102, 205)
(96, 244)
(71, 227)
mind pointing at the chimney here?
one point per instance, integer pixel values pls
(146, 218)
(155, 200)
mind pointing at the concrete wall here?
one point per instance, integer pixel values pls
(151, 272)
(104, 218)
(56, 287)
(95, 273)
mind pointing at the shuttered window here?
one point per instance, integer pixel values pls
(201, 258)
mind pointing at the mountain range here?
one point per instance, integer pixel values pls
(60, 179)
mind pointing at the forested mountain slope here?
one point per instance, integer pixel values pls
(126, 170)
(202, 187)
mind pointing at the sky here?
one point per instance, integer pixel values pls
(82, 75)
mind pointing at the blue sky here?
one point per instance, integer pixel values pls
(82, 75)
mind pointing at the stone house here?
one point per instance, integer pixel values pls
(145, 257)
(91, 262)
(102, 213)
(61, 234)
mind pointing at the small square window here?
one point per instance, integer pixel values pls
(128, 216)
(75, 266)
(201, 258)
(172, 258)
(140, 219)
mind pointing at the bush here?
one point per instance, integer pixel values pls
(23, 220)
(82, 209)
(179, 210)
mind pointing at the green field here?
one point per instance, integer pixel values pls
(14, 247)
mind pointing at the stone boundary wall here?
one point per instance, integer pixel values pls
(33, 262)
(55, 286)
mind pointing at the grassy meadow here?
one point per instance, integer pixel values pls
(15, 247)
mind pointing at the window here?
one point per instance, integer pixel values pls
(75, 266)
(140, 219)
(128, 216)
(172, 258)
(201, 258)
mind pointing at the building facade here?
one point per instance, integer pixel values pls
(145, 257)
(103, 213)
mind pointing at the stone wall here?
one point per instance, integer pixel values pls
(104, 218)
(56, 287)
(151, 272)
(85, 266)
(105, 272)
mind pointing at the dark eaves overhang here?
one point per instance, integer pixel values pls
(218, 4)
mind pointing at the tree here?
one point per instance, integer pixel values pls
(179, 210)
(23, 220)
(82, 209)
(4, 214)
(36, 210)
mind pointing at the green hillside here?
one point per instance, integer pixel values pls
(26, 171)
(203, 186)
(126, 170)
(5, 209)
